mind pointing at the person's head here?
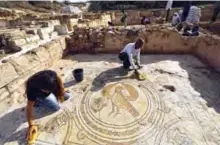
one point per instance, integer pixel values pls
(122, 10)
(175, 14)
(47, 81)
(139, 43)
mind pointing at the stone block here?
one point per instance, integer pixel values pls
(25, 62)
(16, 98)
(43, 33)
(3, 93)
(42, 54)
(61, 29)
(3, 23)
(32, 38)
(74, 21)
(55, 49)
(7, 74)
(55, 22)
(17, 83)
(53, 34)
(17, 42)
(51, 23)
(49, 29)
(32, 31)
(62, 42)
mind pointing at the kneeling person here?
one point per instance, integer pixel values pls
(130, 52)
(44, 88)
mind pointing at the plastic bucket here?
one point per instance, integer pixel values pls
(78, 74)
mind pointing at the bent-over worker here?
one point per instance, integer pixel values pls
(46, 89)
(130, 53)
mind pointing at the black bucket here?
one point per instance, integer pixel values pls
(78, 74)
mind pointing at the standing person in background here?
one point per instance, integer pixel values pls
(194, 15)
(124, 18)
(216, 11)
(186, 9)
(168, 8)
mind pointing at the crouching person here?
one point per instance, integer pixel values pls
(130, 53)
(43, 89)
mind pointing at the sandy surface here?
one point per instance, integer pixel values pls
(179, 103)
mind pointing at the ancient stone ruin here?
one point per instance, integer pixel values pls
(177, 104)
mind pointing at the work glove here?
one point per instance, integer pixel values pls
(31, 134)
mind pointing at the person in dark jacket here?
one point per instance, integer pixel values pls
(186, 9)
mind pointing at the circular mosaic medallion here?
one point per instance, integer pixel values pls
(120, 112)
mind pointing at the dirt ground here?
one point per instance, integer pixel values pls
(179, 103)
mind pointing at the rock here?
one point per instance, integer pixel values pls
(25, 62)
(53, 34)
(161, 90)
(61, 29)
(62, 42)
(3, 93)
(7, 74)
(32, 38)
(17, 83)
(44, 33)
(14, 49)
(170, 87)
(42, 54)
(32, 31)
(17, 42)
(55, 50)
(2, 52)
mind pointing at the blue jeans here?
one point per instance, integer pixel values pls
(51, 102)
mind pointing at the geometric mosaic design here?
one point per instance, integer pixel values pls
(119, 113)
(126, 113)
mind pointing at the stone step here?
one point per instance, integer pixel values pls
(32, 38)
(44, 32)
(54, 34)
(61, 29)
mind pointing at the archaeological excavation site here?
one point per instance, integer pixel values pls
(177, 101)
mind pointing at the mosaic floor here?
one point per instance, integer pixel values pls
(110, 107)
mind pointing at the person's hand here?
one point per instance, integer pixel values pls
(61, 99)
(140, 67)
(31, 131)
(136, 71)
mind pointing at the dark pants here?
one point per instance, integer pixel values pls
(215, 14)
(124, 57)
(168, 14)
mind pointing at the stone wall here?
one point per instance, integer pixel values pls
(158, 39)
(207, 49)
(15, 72)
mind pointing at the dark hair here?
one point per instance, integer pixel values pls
(46, 80)
(139, 43)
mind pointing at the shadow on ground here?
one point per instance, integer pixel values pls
(10, 122)
(110, 75)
